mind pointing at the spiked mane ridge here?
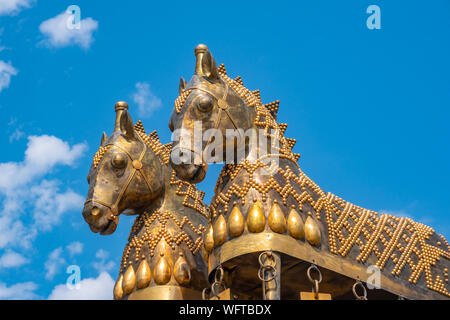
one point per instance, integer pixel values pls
(266, 114)
(152, 140)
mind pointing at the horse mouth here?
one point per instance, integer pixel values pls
(109, 228)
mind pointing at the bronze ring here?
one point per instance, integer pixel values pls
(204, 294)
(213, 288)
(219, 271)
(357, 296)
(268, 254)
(267, 268)
(308, 273)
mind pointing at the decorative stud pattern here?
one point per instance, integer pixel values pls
(400, 240)
(156, 229)
(193, 198)
(99, 155)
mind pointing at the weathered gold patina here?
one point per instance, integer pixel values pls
(284, 211)
(131, 175)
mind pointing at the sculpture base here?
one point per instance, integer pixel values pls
(165, 293)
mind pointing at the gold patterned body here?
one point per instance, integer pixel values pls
(258, 207)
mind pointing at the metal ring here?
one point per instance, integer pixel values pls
(267, 268)
(308, 273)
(358, 297)
(213, 288)
(204, 294)
(219, 271)
(315, 288)
(269, 254)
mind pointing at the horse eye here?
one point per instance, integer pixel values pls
(119, 161)
(204, 104)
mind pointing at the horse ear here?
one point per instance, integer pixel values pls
(182, 85)
(206, 64)
(126, 125)
(104, 138)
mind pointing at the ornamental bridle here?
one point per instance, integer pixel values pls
(137, 166)
(223, 106)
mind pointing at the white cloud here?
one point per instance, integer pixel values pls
(100, 288)
(42, 154)
(16, 135)
(146, 100)
(6, 71)
(54, 263)
(40, 201)
(102, 265)
(50, 205)
(10, 7)
(11, 259)
(22, 291)
(74, 248)
(58, 34)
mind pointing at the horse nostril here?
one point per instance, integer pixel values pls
(95, 211)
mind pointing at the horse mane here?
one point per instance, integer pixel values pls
(266, 114)
(193, 198)
(152, 140)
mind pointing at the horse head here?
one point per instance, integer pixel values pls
(211, 103)
(125, 176)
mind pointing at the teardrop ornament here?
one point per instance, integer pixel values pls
(312, 231)
(295, 223)
(118, 291)
(129, 280)
(144, 275)
(162, 272)
(209, 239)
(236, 222)
(255, 218)
(276, 219)
(181, 271)
(220, 230)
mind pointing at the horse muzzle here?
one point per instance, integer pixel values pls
(97, 216)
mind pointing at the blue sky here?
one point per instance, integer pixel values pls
(369, 110)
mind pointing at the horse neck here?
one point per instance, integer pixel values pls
(180, 203)
(257, 165)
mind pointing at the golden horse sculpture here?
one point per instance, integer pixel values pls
(273, 208)
(130, 174)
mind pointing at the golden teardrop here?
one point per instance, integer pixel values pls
(144, 275)
(312, 232)
(255, 218)
(181, 271)
(209, 239)
(162, 272)
(129, 280)
(276, 219)
(236, 222)
(220, 230)
(118, 291)
(295, 223)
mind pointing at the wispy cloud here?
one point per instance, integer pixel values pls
(100, 288)
(24, 290)
(24, 192)
(6, 71)
(11, 259)
(12, 7)
(145, 99)
(102, 265)
(54, 263)
(57, 33)
(75, 248)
